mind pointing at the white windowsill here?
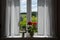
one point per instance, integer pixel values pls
(33, 36)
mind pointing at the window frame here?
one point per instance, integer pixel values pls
(3, 4)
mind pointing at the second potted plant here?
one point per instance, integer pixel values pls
(32, 28)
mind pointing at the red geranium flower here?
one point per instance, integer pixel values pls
(34, 23)
(29, 23)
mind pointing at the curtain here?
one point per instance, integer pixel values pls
(44, 17)
(12, 17)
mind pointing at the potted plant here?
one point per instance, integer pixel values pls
(32, 28)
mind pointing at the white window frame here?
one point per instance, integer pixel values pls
(28, 17)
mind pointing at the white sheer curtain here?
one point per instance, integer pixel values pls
(44, 17)
(12, 17)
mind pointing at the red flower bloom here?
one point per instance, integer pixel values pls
(34, 23)
(29, 23)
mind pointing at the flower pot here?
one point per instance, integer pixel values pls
(31, 34)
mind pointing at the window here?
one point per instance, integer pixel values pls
(20, 12)
(23, 15)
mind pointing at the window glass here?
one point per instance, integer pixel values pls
(34, 10)
(34, 13)
(23, 16)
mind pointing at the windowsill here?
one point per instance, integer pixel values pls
(28, 37)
